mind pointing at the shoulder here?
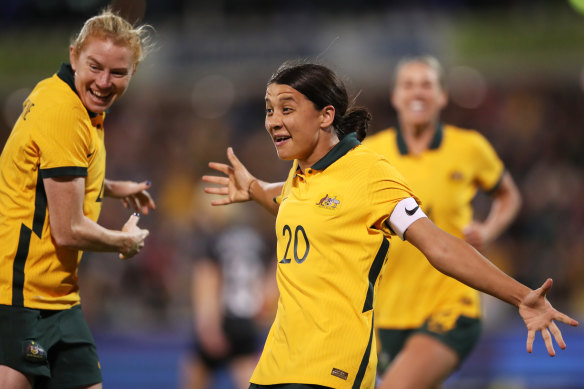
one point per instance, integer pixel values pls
(382, 136)
(459, 134)
(365, 159)
(54, 103)
(53, 93)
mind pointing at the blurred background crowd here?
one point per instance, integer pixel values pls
(515, 72)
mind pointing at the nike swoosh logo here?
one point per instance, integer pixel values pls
(410, 212)
(90, 154)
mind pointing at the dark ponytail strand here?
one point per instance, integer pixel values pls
(355, 120)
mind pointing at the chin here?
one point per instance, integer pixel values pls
(284, 157)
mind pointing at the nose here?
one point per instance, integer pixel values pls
(103, 80)
(273, 121)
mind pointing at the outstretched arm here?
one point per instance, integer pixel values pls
(504, 209)
(457, 259)
(239, 185)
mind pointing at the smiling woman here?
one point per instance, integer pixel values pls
(51, 192)
(104, 57)
(339, 208)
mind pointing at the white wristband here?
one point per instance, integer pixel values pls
(404, 214)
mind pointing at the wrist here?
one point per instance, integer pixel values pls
(108, 188)
(250, 188)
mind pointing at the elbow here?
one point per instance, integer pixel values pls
(64, 238)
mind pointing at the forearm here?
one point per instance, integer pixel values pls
(264, 193)
(114, 188)
(206, 292)
(108, 187)
(457, 259)
(505, 207)
(85, 234)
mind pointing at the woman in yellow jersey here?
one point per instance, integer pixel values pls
(428, 322)
(51, 188)
(336, 213)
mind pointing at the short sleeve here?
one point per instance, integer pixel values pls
(387, 187)
(64, 142)
(489, 168)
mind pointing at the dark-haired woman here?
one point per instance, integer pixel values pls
(336, 213)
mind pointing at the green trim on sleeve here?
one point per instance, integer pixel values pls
(497, 184)
(76, 171)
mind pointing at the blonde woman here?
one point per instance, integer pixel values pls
(51, 190)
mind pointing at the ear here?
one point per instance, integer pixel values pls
(392, 98)
(327, 115)
(72, 57)
(443, 99)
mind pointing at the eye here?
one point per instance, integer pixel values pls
(119, 73)
(269, 111)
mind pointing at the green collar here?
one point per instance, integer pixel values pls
(67, 74)
(436, 141)
(346, 144)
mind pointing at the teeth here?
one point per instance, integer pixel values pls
(98, 94)
(417, 105)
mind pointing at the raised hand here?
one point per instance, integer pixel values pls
(234, 185)
(539, 315)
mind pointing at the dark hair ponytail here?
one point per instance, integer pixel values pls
(355, 120)
(322, 86)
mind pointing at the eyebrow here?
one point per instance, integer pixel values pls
(286, 98)
(95, 61)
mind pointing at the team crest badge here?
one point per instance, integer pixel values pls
(456, 175)
(34, 352)
(328, 202)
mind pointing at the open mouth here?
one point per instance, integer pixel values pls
(281, 138)
(417, 106)
(101, 96)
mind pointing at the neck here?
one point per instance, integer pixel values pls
(325, 144)
(419, 137)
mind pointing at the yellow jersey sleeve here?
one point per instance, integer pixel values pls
(63, 141)
(387, 187)
(488, 166)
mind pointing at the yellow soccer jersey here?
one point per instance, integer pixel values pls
(54, 136)
(332, 244)
(446, 178)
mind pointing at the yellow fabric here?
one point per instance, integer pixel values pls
(446, 179)
(54, 136)
(330, 227)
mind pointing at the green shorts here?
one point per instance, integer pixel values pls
(287, 386)
(55, 347)
(462, 338)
